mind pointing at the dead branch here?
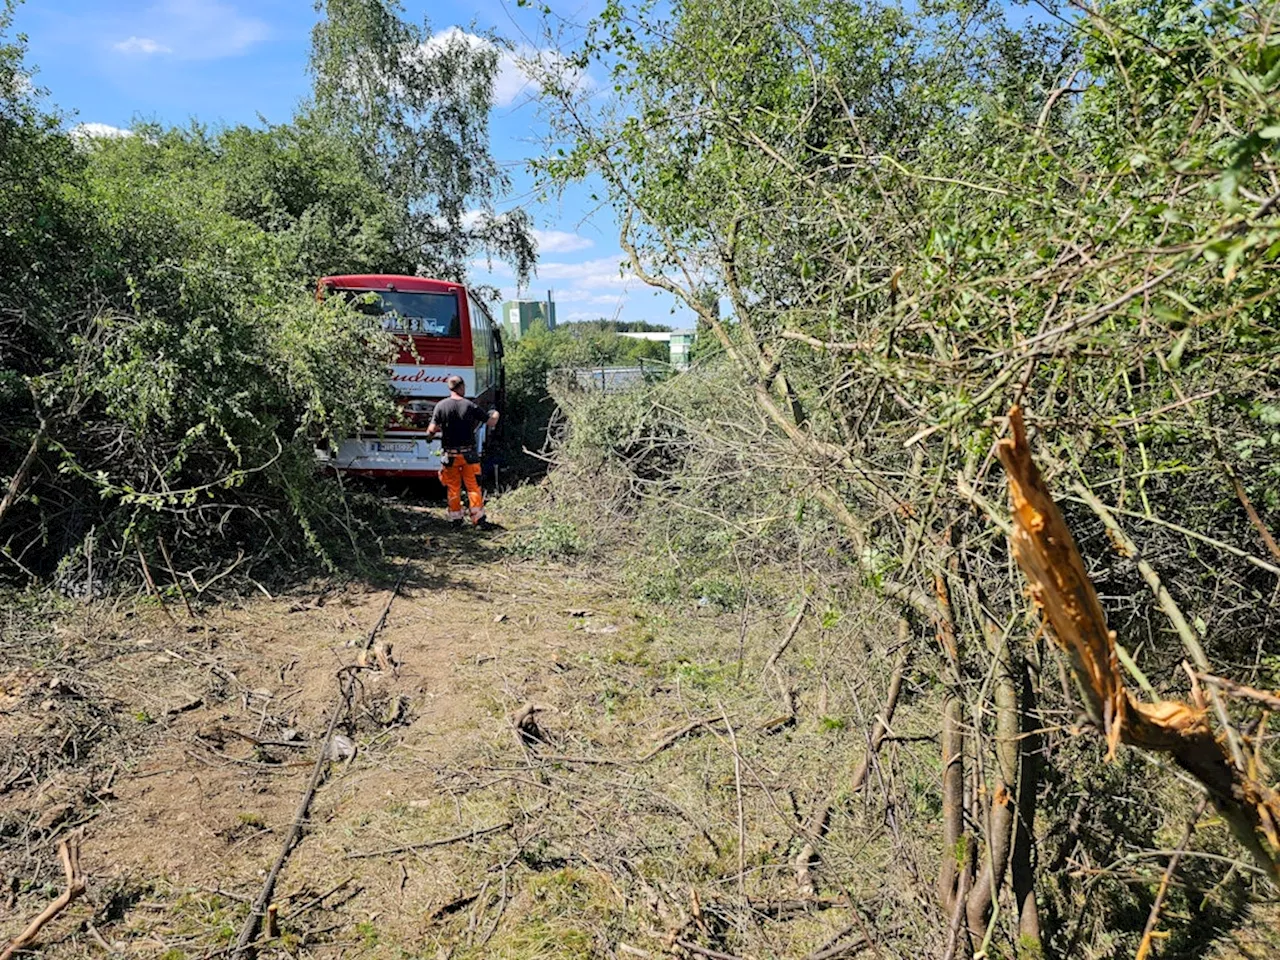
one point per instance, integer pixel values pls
(790, 635)
(1062, 590)
(1191, 643)
(69, 854)
(1251, 510)
(671, 738)
(1233, 689)
(151, 583)
(1148, 932)
(168, 562)
(249, 932)
(771, 665)
(841, 947)
(429, 844)
(20, 475)
(706, 951)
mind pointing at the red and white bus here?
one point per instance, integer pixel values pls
(445, 330)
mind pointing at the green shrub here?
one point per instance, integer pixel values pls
(165, 366)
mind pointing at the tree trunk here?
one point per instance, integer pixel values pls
(1061, 588)
(1024, 837)
(1000, 824)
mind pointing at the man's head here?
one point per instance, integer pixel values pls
(456, 385)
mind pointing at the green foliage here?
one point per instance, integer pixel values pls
(532, 359)
(1078, 217)
(416, 107)
(162, 349)
(548, 538)
(612, 326)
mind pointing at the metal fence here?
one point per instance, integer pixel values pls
(605, 379)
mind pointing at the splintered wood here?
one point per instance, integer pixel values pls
(1062, 591)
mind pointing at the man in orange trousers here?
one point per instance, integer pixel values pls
(456, 419)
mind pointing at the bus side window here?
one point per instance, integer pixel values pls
(481, 345)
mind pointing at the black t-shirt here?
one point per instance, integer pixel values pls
(457, 418)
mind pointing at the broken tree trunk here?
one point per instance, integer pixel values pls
(1062, 590)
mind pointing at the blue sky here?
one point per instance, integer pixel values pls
(113, 62)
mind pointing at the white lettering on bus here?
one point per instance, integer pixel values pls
(419, 377)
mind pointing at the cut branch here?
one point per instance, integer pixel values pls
(19, 479)
(69, 854)
(1062, 590)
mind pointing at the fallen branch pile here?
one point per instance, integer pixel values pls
(346, 681)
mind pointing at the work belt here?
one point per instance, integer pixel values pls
(468, 454)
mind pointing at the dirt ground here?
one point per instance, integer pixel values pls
(651, 806)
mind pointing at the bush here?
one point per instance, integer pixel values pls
(533, 358)
(165, 366)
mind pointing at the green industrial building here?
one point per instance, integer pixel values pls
(679, 343)
(519, 315)
(681, 346)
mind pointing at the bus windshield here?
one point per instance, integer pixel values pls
(422, 314)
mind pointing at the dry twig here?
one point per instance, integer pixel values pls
(69, 854)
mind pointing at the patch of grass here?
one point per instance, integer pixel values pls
(656, 586)
(707, 676)
(558, 908)
(368, 933)
(631, 655)
(549, 537)
(726, 593)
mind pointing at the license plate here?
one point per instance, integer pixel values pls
(393, 446)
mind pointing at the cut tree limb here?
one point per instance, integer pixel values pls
(19, 479)
(69, 854)
(1062, 590)
(816, 825)
(771, 665)
(346, 692)
(1164, 599)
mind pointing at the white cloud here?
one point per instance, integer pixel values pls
(589, 289)
(597, 273)
(519, 70)
(589, 274)
(560, 241)
(586, 297)
(193, 30)
(84, 132)
(142, 45)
